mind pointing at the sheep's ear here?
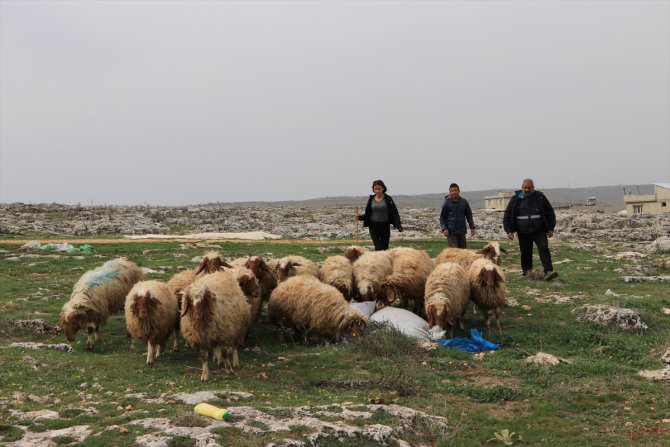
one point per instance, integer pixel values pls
(497, 278)
(226, 265)
(133, 304)
(390, 295)
(202, 266)
(186, 303)
(431, 316)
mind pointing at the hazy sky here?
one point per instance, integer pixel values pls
(184, 102)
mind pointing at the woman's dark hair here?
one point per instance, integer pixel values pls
(380, 183)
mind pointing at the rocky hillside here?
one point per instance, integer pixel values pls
(294, 222)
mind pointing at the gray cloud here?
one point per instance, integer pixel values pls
(171, 102)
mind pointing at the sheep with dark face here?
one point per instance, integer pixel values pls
(216, 316)
(353, 252)
(447, 295)
(267, 279)
(488, 289)
(211, 262)
(152, 314)
(310, 307)
(98, 294)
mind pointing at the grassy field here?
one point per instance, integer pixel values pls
(595, 398)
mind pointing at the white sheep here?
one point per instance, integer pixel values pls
(410, 270)
(311, 307)
(152, 315)
(98, 294)
(338, 272)
(491, 251)
(447, 294)
(293, 265)
(369, 271)
(488, 289)
(215, 316)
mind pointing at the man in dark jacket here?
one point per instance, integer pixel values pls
(532, 217)
(455, 211)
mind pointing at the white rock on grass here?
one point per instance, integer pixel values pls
(626, 320)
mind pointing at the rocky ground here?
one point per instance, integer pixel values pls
(298, 222)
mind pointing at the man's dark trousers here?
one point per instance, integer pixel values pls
(526, 246)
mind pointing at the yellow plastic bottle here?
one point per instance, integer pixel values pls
(211, 411)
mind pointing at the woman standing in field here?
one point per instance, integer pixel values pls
(380, 214)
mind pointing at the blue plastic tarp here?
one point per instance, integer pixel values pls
(474, 344)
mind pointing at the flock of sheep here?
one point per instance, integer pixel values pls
(214, 306)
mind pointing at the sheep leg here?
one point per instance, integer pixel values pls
(498, 323)
(487, 320)
(226, 360)
(217, 355)
(150, 353)
(204, 354)
(175, 343)
(236, 358)
(160, 349)
(90, 332)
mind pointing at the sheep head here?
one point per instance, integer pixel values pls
(353, 326)
(212, 262)
(257, 265)
(249, 286)
(143, 304)
(489, 276)
(72, 322)
(492, 252)
(387, 293)
(353, 252)
(286, 269)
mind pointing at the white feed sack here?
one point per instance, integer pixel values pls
(406, 322)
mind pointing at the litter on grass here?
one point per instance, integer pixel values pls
(474, 344)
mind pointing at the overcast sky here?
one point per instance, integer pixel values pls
(185, 102)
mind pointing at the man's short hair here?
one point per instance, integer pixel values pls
(454, 185)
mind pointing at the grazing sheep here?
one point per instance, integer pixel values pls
(354, 252)
(152, 314)
(295, 265)
(447, 295)
(465, 257)
(339, 273)
(311, 307)
(488, 289)
(411, 268)
(211, 262)
(267, 280)
(215, 316)
(96, 295)
(369, 271)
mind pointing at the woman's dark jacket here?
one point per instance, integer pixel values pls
(546, 211)
(394, 216)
